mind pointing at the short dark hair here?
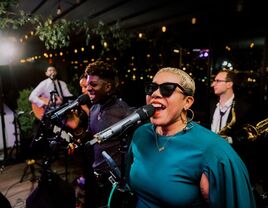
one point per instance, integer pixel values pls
(51, 66)
(83, 76)
(230, 75)
(104, 71)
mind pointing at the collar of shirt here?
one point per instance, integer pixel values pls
(226, 105)
(215, 125)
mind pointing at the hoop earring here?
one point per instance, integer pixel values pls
(192, 117)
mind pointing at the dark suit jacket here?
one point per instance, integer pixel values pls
(241, 144)
(244, 115)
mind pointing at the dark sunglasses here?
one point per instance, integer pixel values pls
(166, 89)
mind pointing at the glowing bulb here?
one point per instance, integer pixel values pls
(193, 21)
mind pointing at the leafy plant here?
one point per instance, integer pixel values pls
(13, 20)
(26, 119)
(56, 34)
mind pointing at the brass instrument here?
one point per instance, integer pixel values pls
(224, 131)
(254, 132)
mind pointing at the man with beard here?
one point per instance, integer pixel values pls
(50, 91)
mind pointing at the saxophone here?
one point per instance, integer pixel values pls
(254, 132)
(224, 131)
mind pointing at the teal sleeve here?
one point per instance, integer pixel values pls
(229, 184)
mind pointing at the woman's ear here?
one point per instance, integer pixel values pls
(189, 102)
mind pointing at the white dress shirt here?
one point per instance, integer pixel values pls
(44, 88)
(217, 118)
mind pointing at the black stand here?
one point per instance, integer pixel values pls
(52, 191)
(29, 164)
(3, 125)
(120, 195)
(40, 135)
(16, 146)
(16, 134)
(49, 140)
(128, 199)
(123, 151)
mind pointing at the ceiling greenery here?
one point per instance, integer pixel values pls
(57, 34)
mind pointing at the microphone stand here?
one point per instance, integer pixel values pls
(119, 180)
(3, 124)
(39, 135)
(17, 140)
(123, 151)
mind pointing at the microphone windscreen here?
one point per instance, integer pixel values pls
(83, 99)
(146, 111)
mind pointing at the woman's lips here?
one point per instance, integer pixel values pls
(158, 108)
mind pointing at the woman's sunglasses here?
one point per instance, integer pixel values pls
(166, 89)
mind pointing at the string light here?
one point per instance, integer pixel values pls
(59, 8)
(228, 48)
(193, 21)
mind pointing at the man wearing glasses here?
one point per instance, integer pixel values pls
(223, 88)
(229, 114)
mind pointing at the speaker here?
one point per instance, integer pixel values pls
(4, 201)
(52, 192)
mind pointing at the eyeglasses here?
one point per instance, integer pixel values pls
(166, 89)
(220, 80)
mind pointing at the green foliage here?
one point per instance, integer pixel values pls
(56, 34)
(4, 5)
(10, 19)
(26, 120)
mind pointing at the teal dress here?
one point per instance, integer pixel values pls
(171, 178)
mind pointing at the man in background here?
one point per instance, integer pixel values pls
(229, 114)
(48, 95)
(50, 92)
(107, 109)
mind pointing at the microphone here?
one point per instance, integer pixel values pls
(53, 95)
(81, 100)
(53, 92)
(140, 114)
